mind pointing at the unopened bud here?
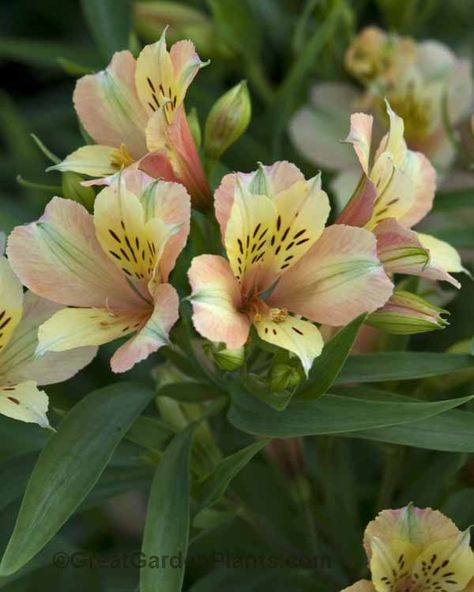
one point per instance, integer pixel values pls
(406, 313)
(226, 359)
(284, 376)
(227, 120)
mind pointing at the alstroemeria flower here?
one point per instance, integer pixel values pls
(396, 191)
(134, 112)
(111, 268)
(20, 370)
(416, 550)
(426, 84)
(282, 264)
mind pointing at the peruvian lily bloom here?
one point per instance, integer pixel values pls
(395, 192)
(416, 550)
(20, 370)
(111, 268)
(282, 265)
(427, 85)
(134, 112)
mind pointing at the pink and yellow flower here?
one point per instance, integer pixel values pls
(282, 265)
(395, 192)
(111, 268)
(416, 550)
(134, 111)
(21, 372)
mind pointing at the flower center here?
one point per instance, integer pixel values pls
(121, 157)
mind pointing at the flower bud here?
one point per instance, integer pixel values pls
(226, 359)
(406, 313)
(227, 120)
(284, 376)
(194, 127)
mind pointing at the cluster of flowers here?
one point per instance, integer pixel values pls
(96, 277)
(425, 83)
(416, 550)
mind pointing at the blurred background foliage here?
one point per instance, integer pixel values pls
(281, 47)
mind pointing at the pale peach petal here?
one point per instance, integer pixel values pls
(399, 249)
(360, 136)
(317, 129)
(277, 177)
(153, 335)
(443, 259)
(18, 362)
(109, 108)
(59, 258)
(423, 174)
(217, 301)
(186, 62)
(340, 278)
(157, 165)
(420, 526)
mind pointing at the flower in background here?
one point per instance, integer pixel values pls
(395, 192)
(134, 112)
(282, 264)
(111, 268)
(20, 370)
(426, 84)
(416, 550)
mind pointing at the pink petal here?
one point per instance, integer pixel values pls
(176, 141)
(361, 205)
(59, 258)
(18, 362)
(153, 335)
(158, 166)
(217, 301)
(340, 278)
(279, 176)
(109, 108)
(186, 62)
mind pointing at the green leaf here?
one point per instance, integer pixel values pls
(150, 433)
(331, 414)
(327, 367)
(189, 391)
(43, 52)
(401, 366)
(110, 23)
(213, 487)
(70, 465)
(450, 431)
(167, 522)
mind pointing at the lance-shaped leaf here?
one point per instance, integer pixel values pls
(331, 414)
(167, 523)
(70, 465)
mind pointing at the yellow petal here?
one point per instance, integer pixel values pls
(391, 562)
(11, 302)
(448, 563)
(133, 245)
(24, 402)
(442, 254)
(76, 327)
(155, 80)
(295, 335)
(96, 161)
(249, 230)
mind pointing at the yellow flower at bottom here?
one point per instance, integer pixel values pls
(416, 550)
